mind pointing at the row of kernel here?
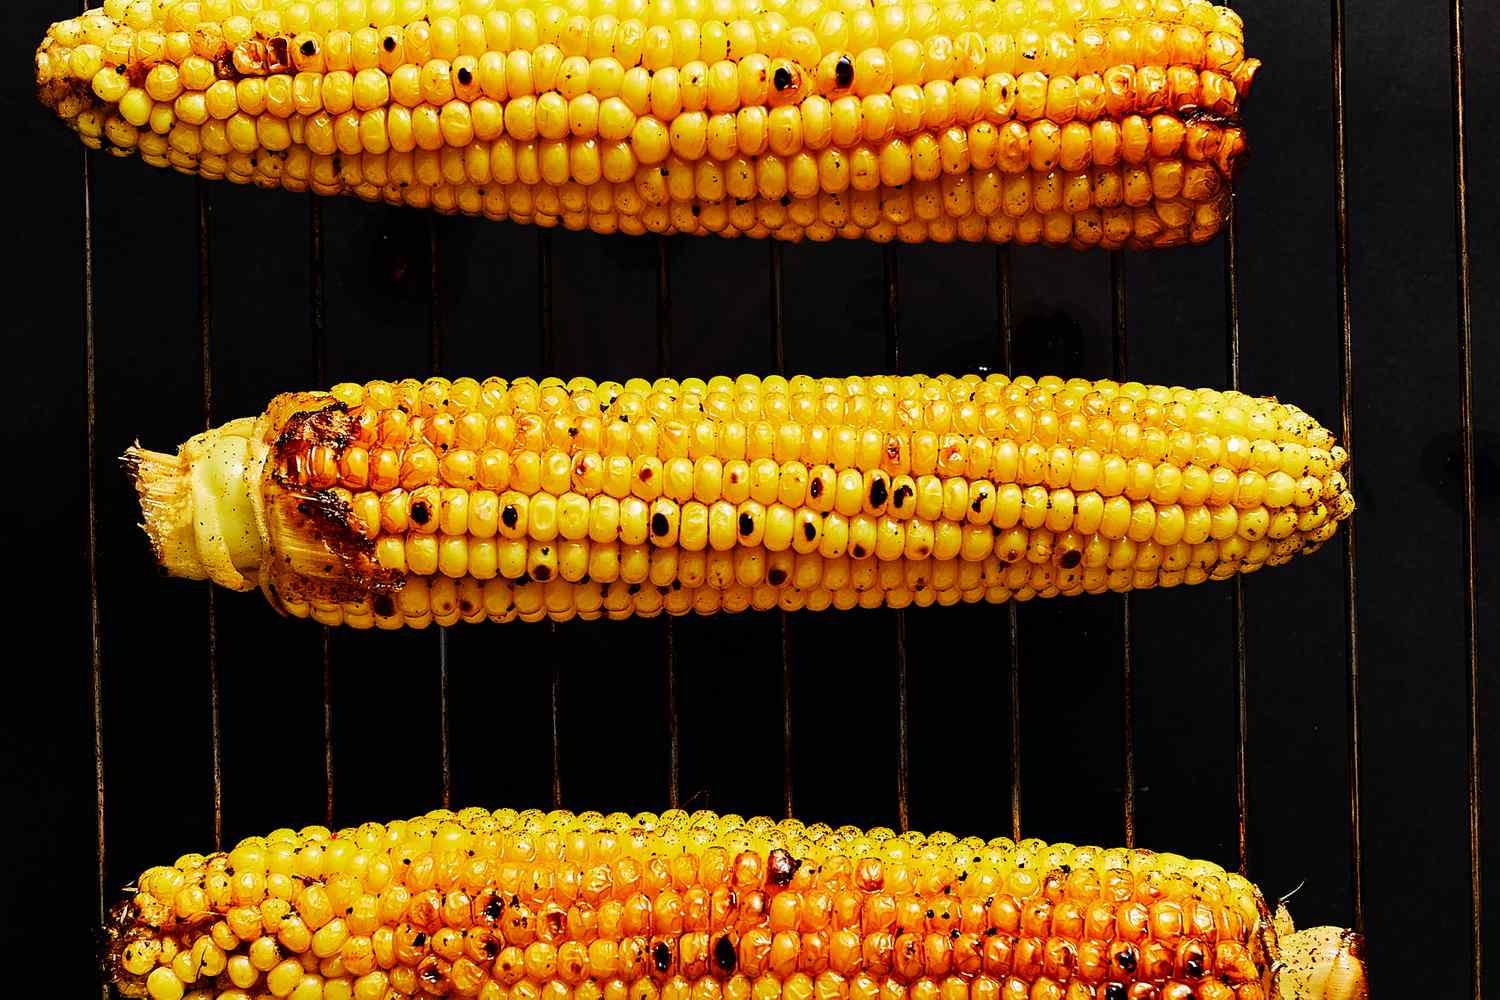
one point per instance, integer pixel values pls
(665, 37)
(1053, 408)
(1179, 194)
(870, 470)
(450, 602)
(620, 455)
(680, 532)
(324, 16)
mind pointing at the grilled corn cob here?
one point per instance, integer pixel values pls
(562, 907)
(1085, 122)
(391, 504)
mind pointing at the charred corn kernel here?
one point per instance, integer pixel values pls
(1052, 912)
(1032, 124)
(699, 485)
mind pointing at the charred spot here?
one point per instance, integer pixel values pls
(843, 72)
(776, 577)
(786, 200)
(953, 934)
(510, 517)
(1114, 991)
(878, 492)
(724, 956)
(420, 939)
(781, 866)
(309, 48)
(491, 949)
(815, 488)
(991, 931)
(495, 908)
(809, 531)
(277, 51)
(695, 210)
(662, 956)
(659, 524)
(431, 974)
(1194, 966)
(572, 432)
(1070, 559)
(978, 503)
(645, 474)
(421, 512)
(383, 605)
(747, 524)
(676, 584)
(858, 551)
(903, 494)
(466, 606)
(464, 76)
(633, 589)
(782, 78)
(389, 44)
(1126, 960)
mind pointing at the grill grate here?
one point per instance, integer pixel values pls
(437, 334)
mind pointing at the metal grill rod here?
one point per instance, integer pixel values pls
(1466, 444)
(315, 306)
(1346, 408)
(1241, 680)
(1120, 316)
(437, 331)
(1013, 626)
(892, 275)
(205, 332)
(664, 368)
(778, 355)
(96, 657)
(549, 365)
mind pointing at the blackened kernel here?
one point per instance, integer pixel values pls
(878, 492)
(782, 78)
(815, 488)
(510, 517)
(747, 524)
(659, 524)
(724, 955)
(843, 72)
(781, 866)
(809, 531)
(662, 956)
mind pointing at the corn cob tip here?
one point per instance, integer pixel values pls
(200, 507)
(1321, 963)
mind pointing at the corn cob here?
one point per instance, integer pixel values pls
(1086, 122)
(392, 504)
(530, 906)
